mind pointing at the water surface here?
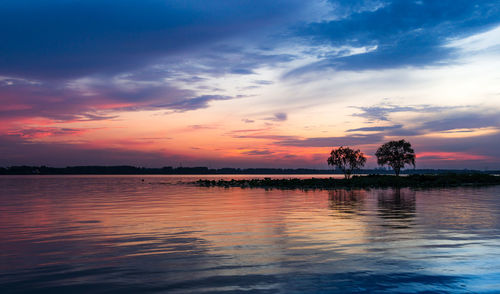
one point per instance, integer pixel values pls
(119, 234)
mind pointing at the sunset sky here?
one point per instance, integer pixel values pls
(248, 83)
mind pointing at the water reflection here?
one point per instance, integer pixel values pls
(119, 234)
(397, 207)
(346, 202)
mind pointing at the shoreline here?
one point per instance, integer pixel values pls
(363, 182)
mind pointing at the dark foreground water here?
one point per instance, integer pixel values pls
(105, 234)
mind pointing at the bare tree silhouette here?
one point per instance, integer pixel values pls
(396, 154)
(347, 160)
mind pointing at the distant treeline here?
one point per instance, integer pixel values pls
(168, 170)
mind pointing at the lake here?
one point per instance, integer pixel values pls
(119, 234)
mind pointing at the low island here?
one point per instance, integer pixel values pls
(365, 182)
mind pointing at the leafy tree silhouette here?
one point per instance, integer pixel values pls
(347, 160)
(396, 154)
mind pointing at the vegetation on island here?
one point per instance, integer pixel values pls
(369, 181)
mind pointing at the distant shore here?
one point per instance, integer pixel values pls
(168, 170)
(369, 181)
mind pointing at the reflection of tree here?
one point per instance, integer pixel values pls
(346, 201)
(398, 205)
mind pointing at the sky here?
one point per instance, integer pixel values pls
(240, 83)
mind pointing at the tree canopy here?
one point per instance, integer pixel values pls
(347, 160)
(396, 154)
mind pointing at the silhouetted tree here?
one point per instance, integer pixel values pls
(396, 154)
(347, 160)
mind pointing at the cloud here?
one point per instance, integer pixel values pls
(428, 118)
(57, 39)
(395, 130)
(375, 129)
(219, 60)
(265, 137)
(478, 42)
(46, 132)
(280, 116)
(352, 140)
(94, 99)
(154, 54)
(94, 117)
(404, 33)
(25, 98)
(382, 111)
(263, 82)
(194, 103)
(258, 152)
(132, 56)
(463, 120)
(201, 127)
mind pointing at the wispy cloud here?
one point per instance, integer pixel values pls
(382, 111)
(463, 120)
(279, 116)
(40, 132)
(375, 129)
(194, 103)
(352, 140)
(258, 152)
